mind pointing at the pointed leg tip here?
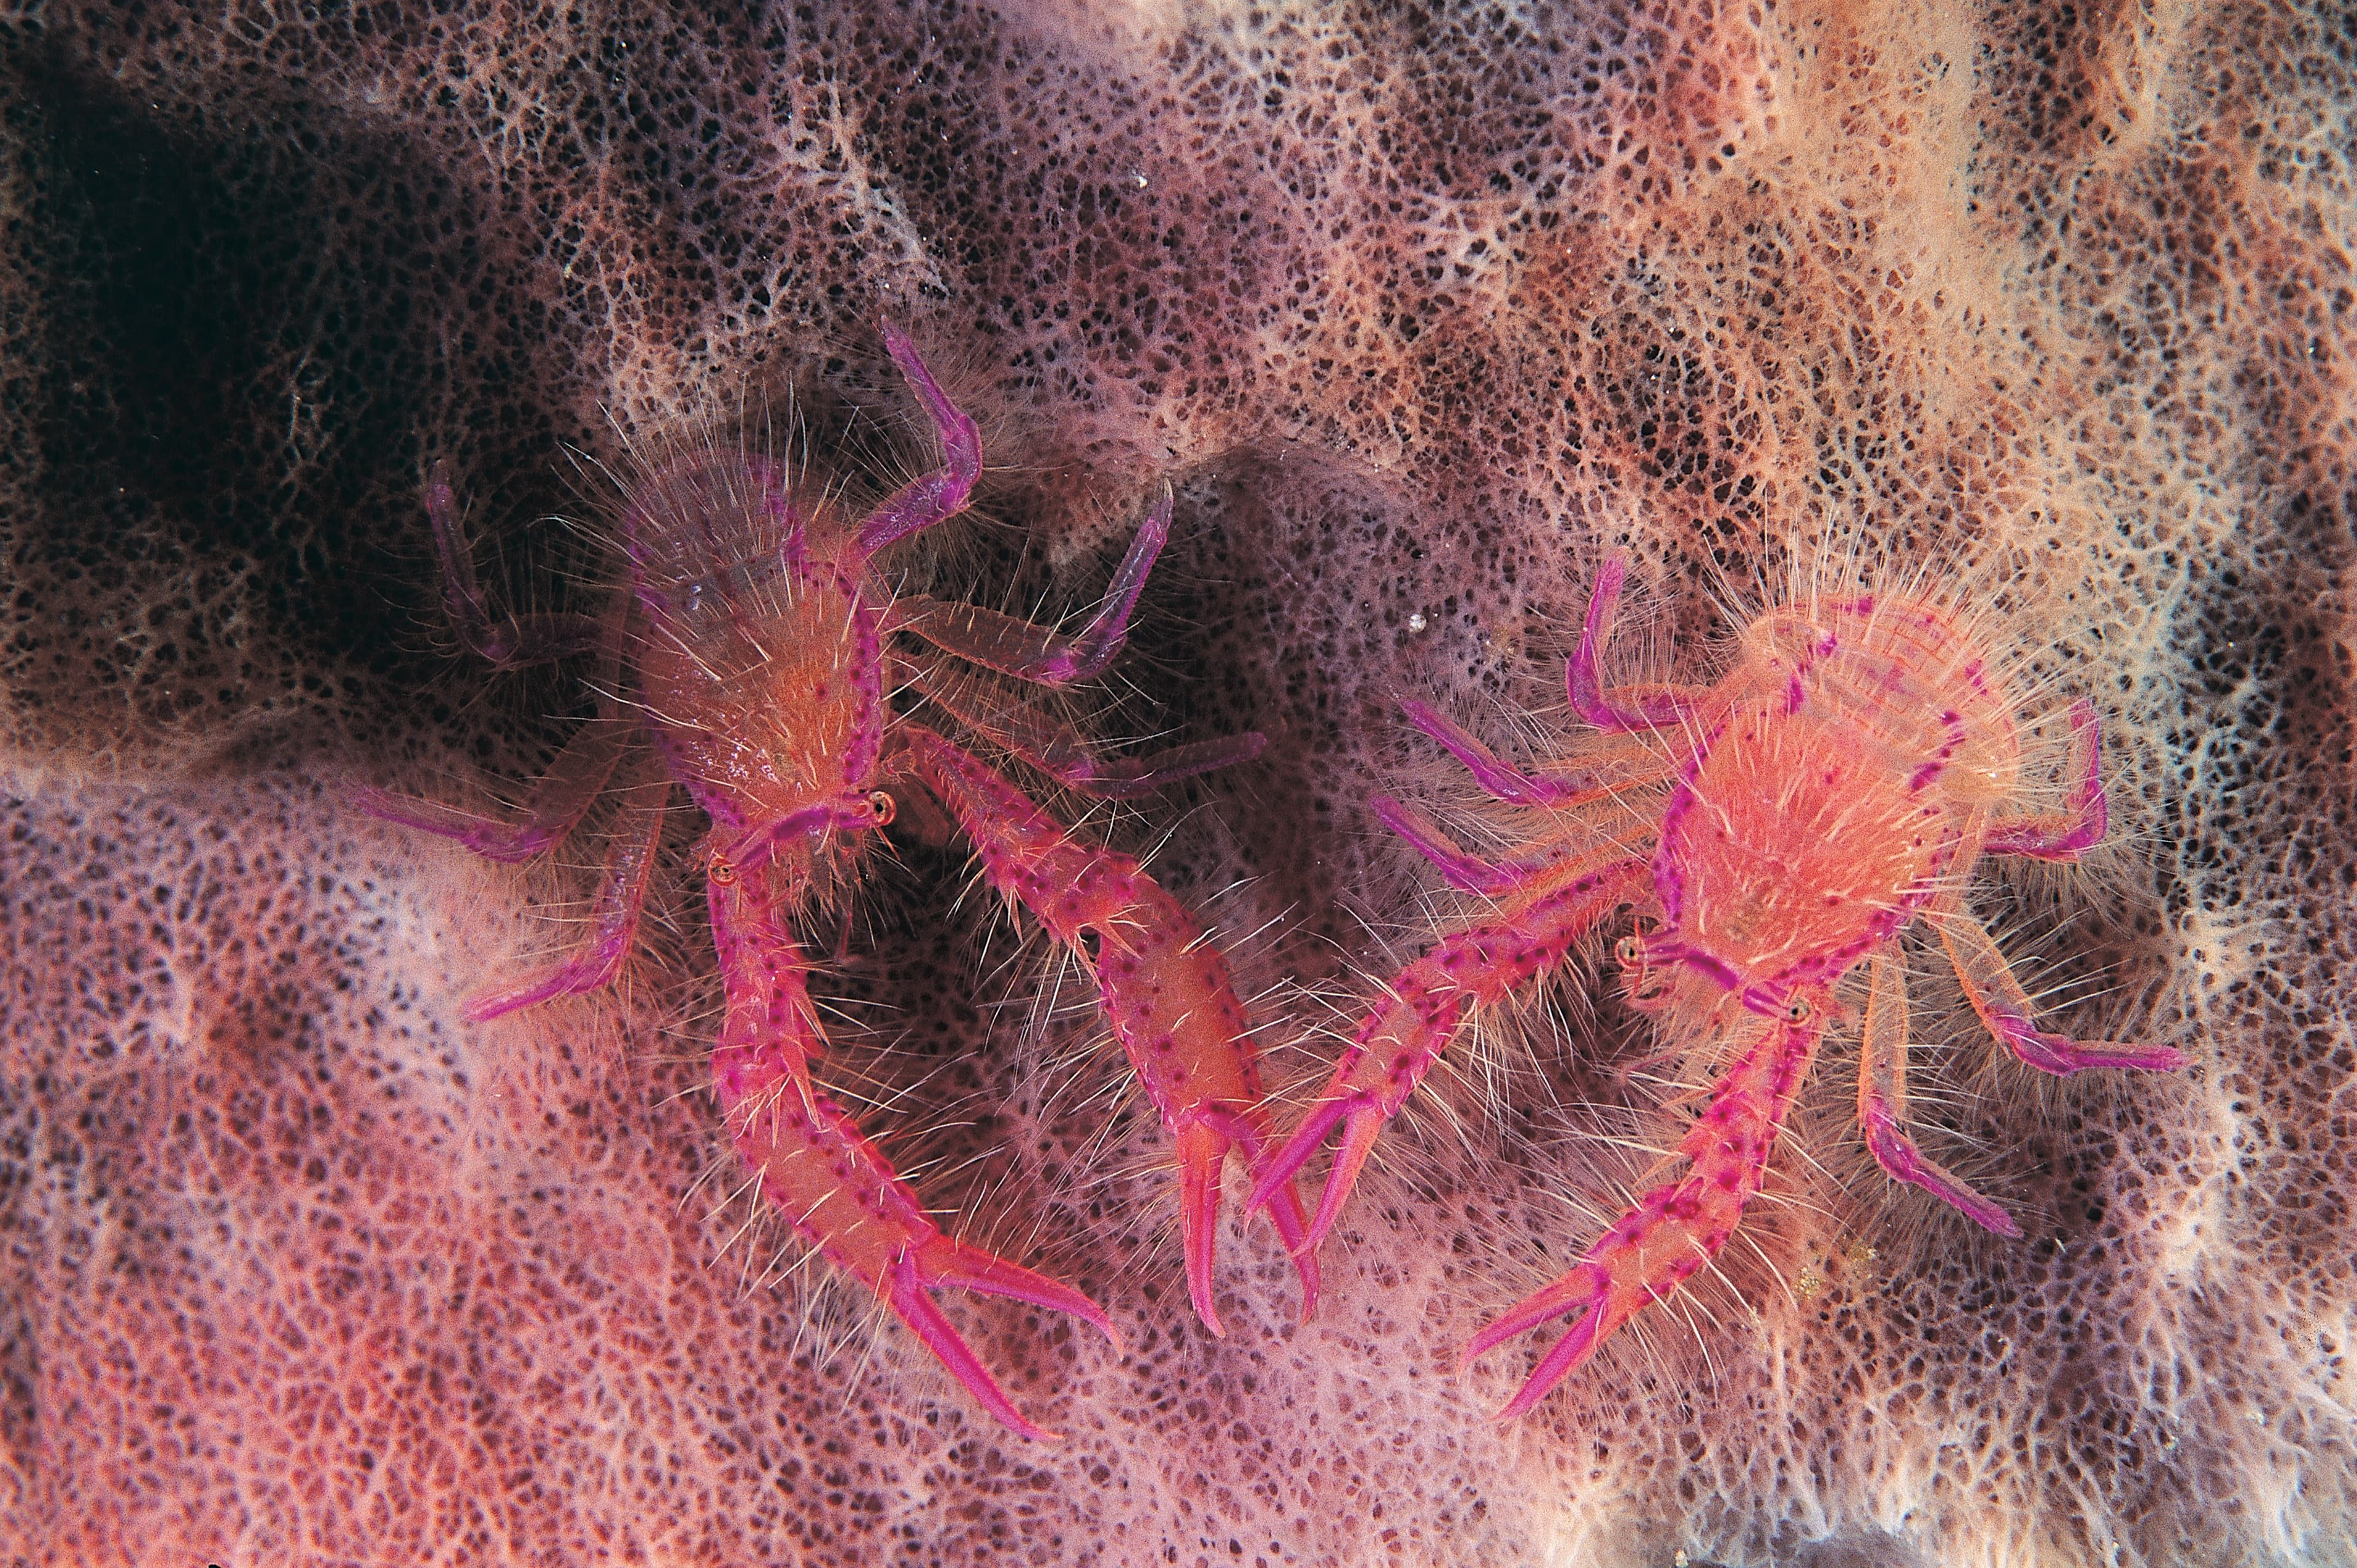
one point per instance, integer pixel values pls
(1097, 1317)
(1273, 1181)
(1322, 1222)
(1521, 1404)
(1989, 1216)
(1287, 1162)
(1198, 1291)
(1199, 1295)
(1542, 1382)
(486, 1009)
(2060, 1055)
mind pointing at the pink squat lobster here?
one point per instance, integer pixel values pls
(1836, 785)
(763, 649)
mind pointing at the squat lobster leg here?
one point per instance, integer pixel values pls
(1164, 988)
(1033, 653)
(520, 639)
(621, 897)
(2070, 833)
(930, 498)
(1882, 1103)
(1621, 710)
(2011, 1018)
(554, 809)
(1057, 749)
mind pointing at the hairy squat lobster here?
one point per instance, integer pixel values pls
(1775, 831)
(765, 655)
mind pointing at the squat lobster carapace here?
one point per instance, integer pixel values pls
(1774, 831)
(763, 651)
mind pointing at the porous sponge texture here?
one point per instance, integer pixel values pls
(1424, 313)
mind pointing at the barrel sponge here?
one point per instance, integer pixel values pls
(1424, 312)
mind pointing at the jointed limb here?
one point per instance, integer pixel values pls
(621, 897)
(815, 1168)
(1034, 654)
(1674, 1230)
(1421, 1011)
(1641, 766)
(2068, 833)
(1467, 872)
(1164, 986)
(941, 494)
(558, 801)
(1057, 749)
(1620, 709)
(2011, 1016)
(1882, 1102)
(518, 640)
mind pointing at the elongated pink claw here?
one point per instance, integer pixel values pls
(942, 1262)
(1165, 988)
(813, 1166)
(1677, 1228)
(1361, 1114)
(1407, 1030)
(843, 1196)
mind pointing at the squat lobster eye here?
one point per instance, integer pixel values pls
(880, 801)
(1797, 1011)
(1643, 983)
(722, 870)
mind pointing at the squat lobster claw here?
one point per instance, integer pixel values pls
(764, 652)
